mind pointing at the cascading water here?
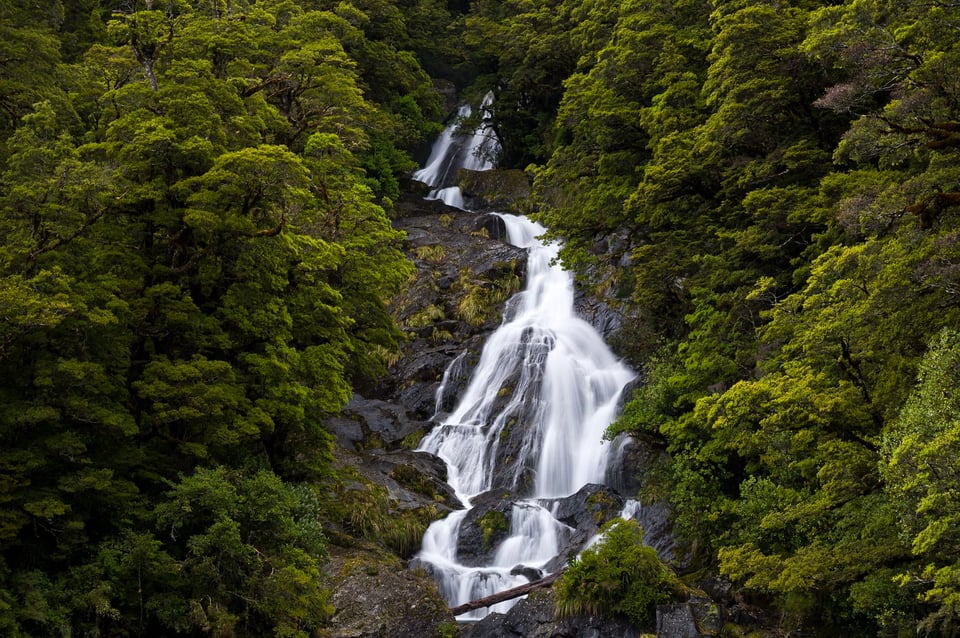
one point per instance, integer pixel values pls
(545, 370)
(454, 150)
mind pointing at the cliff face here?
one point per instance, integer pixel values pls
(465, 273)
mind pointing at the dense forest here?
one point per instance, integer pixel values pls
(195, 264)
(197, 260)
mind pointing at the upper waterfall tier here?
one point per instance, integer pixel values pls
(454, 150)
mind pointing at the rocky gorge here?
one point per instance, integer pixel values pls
(466, 272)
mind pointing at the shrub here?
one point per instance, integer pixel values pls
(619, 575)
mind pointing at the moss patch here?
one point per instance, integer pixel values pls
(493, 524)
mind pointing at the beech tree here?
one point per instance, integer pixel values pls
(29, 53)
(192, 255)
(920, 450)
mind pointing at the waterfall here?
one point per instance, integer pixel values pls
(454, 150)
(544, 370)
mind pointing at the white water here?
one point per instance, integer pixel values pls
(560, 377)
(453, 151)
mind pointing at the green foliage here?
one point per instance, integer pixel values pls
(413, 478)
(920, 451)
(29, 53)
(619, 575)
(366, 511)
(525, 52)
(251, 548)
(197, 258)
(493, 524)
(774, 190)
(480, 297)
(433, 253)
(425, 316)
(448, 629)
(194, 273)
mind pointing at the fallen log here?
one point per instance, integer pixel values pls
(507, 594)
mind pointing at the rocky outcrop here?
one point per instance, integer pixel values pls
(584, 512)
(376, 596)
(533, 617)
(627, 476)
(486, 525)
(367, 423)
(464, 277)
(504, 190)
(697, 618)
(377, 439)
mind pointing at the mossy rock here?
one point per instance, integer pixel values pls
(376, 596)
(505, 190)
(485, 526)
(493, 525)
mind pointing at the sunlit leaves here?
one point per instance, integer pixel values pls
(182, 289)
(251, 191)
(921, 448)
(756, 76)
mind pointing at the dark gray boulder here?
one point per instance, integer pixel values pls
(413, 479)
(696, 618)
(533, 617)
(485, 526)
(627, 476)
(367, 423)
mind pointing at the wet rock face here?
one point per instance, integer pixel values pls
(465, 274)
(585, 512)
(502, 190)
(589, 508)
(377, 437)
(413, 479)
(365, 423)
(533, 617)
(484, 528)
(627, 477)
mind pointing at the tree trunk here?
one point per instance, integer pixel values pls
(508, 594)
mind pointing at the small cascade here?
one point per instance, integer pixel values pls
(546, 378)
(454, 372)
(454, 150)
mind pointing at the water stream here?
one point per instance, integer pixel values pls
(544, 363)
